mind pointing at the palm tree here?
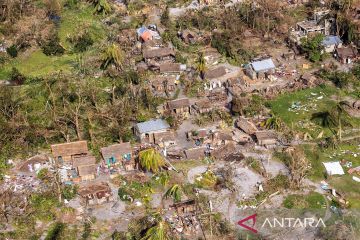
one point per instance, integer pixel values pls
(159, 231)
(341, 116)
(201, 65)
(101, 6)
(324, 119)
(207, 179)
(163, 178)
(335, 117)
(151, 160)
(113, 55)
(174, 192)
(273, 122)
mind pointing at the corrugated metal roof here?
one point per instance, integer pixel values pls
(331, 40)
(263, 65)
(152, 125)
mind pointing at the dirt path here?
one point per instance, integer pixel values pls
(196, 171)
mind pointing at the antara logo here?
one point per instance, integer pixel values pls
(281, 222)
(253, 218)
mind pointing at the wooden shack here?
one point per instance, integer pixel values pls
(85, 167)
(66, 152)
(119, 154)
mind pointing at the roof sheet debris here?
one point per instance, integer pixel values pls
(333, 168)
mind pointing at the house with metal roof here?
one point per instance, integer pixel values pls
(146, 131)
(260, 69)
(330, 43)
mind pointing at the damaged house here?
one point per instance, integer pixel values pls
(145, 34)
(163, 84)
(84, 168)
(197, 135)
(223, 151)
(202, 106)
(266, 138)
(179, 106)
(212, 56)
(146, 131)
(213, 75)
(346, 55)
(120, 154)
(34, 164)
(217, 96)
(159, 54)
(221, 138)
(330, 43)
(66, 152)
(260, 69)
(185, 208)
(96, 193)
(165, 139)
(172, 68)
(318, 24)
(195, 153)
(188, 36)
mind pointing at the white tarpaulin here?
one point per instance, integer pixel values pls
(333, 168)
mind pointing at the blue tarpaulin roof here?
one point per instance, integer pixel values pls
(263, 65)
(152, 125)
(141, 30)
(331, 40)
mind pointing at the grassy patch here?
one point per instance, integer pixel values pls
(186, 165)
(295, 109)
(313, 200)
(345, 184)
(74, 20)
(37, 64)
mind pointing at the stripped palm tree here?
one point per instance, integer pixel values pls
(201, 65)
(113, 55)
(159, 231)
(273, 122)
(341, 116)
(173, 192)
(151, 160)
(335, 117)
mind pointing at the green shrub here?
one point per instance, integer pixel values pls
(206, 180)
(16, 77)
(12, 51)
(180, 58)
(52, 46)
(69, 192)
(83, 42)
(56, 231)
(87, 231)
(313, 200)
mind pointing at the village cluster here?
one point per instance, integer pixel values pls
(176, 132)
